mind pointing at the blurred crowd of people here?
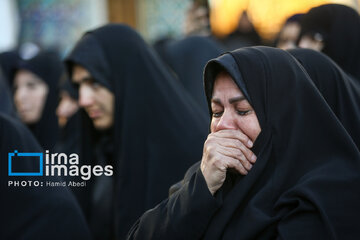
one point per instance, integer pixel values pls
(117, 100)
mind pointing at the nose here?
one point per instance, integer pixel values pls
(226, 121)
(86, 95)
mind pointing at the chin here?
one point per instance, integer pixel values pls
(28, 120)
(101, 125)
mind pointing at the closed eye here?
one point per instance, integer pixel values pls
(217, 114)
(243, 113)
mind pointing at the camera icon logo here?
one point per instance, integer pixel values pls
(35, 158)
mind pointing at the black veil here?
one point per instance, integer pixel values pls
(34, 212)
(341, 91)
(187, 58)
(159, 129)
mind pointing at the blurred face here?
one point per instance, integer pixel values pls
(231, 110)
(315, 43)
(97, 100)
(30, 94)
(66, 108)
(288, 36)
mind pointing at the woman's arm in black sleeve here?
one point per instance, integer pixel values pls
(184, 215)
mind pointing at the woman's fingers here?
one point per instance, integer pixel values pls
(237, 155)
(236, 144)
(234, 134)
(235, 164)
(223, 150)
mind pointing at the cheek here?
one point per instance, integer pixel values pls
(16, 97)
(39, 98)
(251, 127)
(213, 123)
(108, 102)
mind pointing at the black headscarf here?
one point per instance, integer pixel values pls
(48, 67)
(158, 129)
(187, 58)
(29, 212)
(8, 63)
(305, 183)
(341, 91)
(69, 88)
(69, 135)
(339, 26)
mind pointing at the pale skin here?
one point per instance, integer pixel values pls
(288, 36)
(97, 100)
(234, 127)
(308, 42)
(30, 93)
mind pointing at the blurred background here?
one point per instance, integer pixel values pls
(57, 24)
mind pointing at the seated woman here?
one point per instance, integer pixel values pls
(303, 183)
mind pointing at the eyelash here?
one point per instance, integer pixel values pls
(216, 115)
(241, 113)
(31, 85)
(95, 85)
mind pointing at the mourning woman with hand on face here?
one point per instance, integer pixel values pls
(304, 183)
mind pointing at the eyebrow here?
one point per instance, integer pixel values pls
(84, 79)
(231, 100)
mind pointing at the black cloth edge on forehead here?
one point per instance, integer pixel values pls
(225, 62)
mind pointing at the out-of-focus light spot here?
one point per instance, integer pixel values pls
(267, 15)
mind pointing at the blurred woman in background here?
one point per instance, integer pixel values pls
(334, 29)
(289, 33)
(35, 87)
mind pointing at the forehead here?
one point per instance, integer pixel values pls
(291, 28)
(79, 73)
(225, 85)
(24, 75)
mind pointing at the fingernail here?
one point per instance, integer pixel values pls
(250, 143)
(253, 158)
(250, 167)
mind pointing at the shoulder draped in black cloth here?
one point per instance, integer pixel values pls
(341, 91)
(158, 128)
(48, 66)
(30, 212)
(8, 62)
(305, 182)
(6, 99)
(339, 26)
(187, 58)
